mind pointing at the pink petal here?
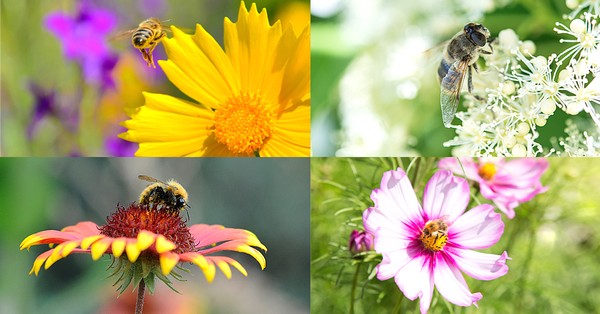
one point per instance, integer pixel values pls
(478, 265)
(469, 169)
(445, 195)
(507, 206)
(394, 260)
(415, 280)
(478, 228)
(396, 198)
(527, 169)
(380, 225)
(451, 283)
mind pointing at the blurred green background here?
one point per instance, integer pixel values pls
(32, 55)
(374, 63)
(269, 197)
(554, 242)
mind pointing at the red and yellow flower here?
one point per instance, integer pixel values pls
(148, 242)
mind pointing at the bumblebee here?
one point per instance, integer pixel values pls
(170, 194)
(460, 55)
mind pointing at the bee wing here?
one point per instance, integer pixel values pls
(121, 35)
(450, 90)
(149, 179)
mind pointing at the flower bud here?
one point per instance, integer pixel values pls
(360, 241)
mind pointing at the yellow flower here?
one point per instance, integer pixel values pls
(252, 98)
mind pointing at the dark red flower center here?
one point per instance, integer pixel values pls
(157, 218)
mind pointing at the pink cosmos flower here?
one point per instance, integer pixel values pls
(507, 183)
(429, 246)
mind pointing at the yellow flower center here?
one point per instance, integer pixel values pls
(434, 235)
(487, 171)
(243, 123)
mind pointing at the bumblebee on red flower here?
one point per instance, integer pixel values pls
(149, 239)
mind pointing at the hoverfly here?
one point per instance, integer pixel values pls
(460, 55)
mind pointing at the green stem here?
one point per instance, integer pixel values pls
(398, 305)
(526, 265)
(139, 304)
(354, 283)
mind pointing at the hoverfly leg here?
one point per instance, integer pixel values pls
(470, 79)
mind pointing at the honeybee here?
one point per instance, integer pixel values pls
(146, 37)
(170, 194)
(460, 55)
(434, 235)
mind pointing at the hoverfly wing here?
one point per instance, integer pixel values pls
(450, 90)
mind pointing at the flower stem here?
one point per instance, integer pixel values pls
(354, 283)
(139, 304)
(398, 306)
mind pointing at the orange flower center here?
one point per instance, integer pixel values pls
(434, 235)
(487, 171)
(243, 123)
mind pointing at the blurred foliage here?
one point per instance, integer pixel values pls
(553, 241)
(335, 48)
(269, 197)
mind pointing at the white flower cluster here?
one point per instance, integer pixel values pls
(503, 121)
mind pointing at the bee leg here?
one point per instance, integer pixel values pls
(470, 79)
(151, 60)
(150, 49)
(145, 56)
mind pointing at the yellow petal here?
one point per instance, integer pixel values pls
(198, 67)
(224, 268)
(209, 272)
(291, 136)
(200, 261)
(164, 245)
(30, 241)
(145, 239)
(239, 267)
(86, 242)
(118, 246)
(250, 45)
(39, 261)
(296, 77)
(54, 257)
(99, 247)
(68, 248)
(254, 253)
(168, 262)
(132, 252)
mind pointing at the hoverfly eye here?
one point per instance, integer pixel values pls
(478, 39)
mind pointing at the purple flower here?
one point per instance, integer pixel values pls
(44, 106)
(47, 103)
(360, 241)
(83, 38)
(118, 147)
(506, 183)
(429, 246)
